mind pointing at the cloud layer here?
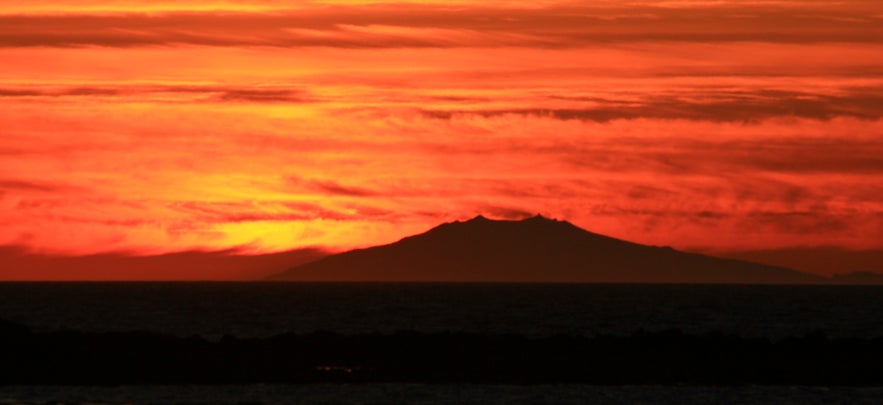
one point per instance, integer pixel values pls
(161, 127)
(436, 25)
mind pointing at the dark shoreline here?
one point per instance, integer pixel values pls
(668, 357)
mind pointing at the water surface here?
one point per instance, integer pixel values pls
(265, 309)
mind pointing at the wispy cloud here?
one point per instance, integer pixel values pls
(166, 126)
(161, 93)
(710, 104)
(433, 25)
(334, 188)
(28, 185)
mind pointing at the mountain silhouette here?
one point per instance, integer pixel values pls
(536, 249)
(858, 278)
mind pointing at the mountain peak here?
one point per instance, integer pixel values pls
(534, 249)
(540, 218)
(479, 218)
(536, 218)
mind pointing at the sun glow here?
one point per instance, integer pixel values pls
(264, 126)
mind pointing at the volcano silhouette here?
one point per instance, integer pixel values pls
(536, 249)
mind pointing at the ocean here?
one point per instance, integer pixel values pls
(256, 310)
(436, 394)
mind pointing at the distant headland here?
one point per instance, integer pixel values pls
(536, 249)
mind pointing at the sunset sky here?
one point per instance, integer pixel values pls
(154, 127)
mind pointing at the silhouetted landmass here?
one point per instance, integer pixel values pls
(231, 264)
(669, 357)
(532, 250)
(858, 278)
(818, 260)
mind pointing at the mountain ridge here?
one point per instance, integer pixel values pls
(535, 249)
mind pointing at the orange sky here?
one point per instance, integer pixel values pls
(155, 127)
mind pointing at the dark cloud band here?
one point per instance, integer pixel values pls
(417, 26)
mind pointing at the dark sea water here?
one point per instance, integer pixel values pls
(434, 394)
(264, 309)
